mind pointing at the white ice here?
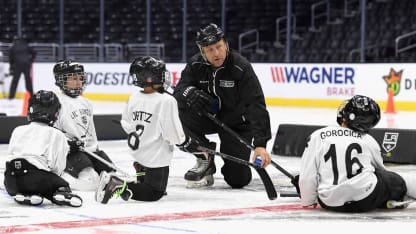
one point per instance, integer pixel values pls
(216, 209)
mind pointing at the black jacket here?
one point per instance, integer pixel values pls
(238, 89)
(21, 54)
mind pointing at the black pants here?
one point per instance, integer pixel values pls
(390, 186)
(18, 70)
(21, 177)
(77, 161)
(196, 126)
(152, 185)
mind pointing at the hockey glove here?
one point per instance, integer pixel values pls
(200, 101)
(189, 145)
(75, 145)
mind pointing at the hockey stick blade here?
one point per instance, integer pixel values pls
(264, 176)
(392, 204)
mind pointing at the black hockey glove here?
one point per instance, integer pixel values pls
(75, 145)
(295, 182)
(189, 145)
(200, 101)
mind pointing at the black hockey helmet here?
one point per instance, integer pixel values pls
(43, 107)
(208, 35)
(361, 113)
(148, 71)
(67, 68)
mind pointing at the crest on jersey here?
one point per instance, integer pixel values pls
(390, 141)
(18, 165)
(84, 120)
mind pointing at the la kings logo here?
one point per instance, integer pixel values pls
(390, 142)
(18, 165)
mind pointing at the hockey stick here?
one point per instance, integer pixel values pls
(392, 204)
(265, 178)
(107, 163)
(244, 142)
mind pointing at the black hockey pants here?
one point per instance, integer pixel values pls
(152, 185)
(77, 161)
(196, 126)
(390, 186)
(22, 177)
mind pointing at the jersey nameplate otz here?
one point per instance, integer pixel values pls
(142, 116)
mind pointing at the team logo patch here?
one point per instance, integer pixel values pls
(390, 141)
(227, 83)
(84, 120)
(18, 164)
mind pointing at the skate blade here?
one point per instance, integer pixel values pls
(73, 201)
(100, 190)
(33, 200)
(205, 182)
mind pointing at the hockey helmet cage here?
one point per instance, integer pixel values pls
(43, 107)
(148, 71)
(65, 69)
(209, 35)
(361, 113)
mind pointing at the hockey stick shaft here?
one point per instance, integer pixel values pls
(244, 142)
(107, 163)
(226, 156)
(265, 178)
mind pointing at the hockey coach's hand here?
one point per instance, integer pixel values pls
(200, 101)
(75, 145)
(189, 145)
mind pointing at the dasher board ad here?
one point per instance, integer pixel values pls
(338, 81)
(281, 83)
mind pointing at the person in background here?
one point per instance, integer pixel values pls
(21, 57)
(342, 167)
(76, 121)
(2, 75)
(37, 156)
(152, 123)
(221, 82)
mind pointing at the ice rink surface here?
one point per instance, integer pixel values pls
(216, 209)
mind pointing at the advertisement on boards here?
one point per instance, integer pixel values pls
(283, 84)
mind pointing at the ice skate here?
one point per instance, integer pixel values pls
(202, 173)
(64, 197)
(206, 181)
(110, 186)
(33, 200)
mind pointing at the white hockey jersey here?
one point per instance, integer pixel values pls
(338, 166)
(76, 120)
(41, 145)
(156, 120)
